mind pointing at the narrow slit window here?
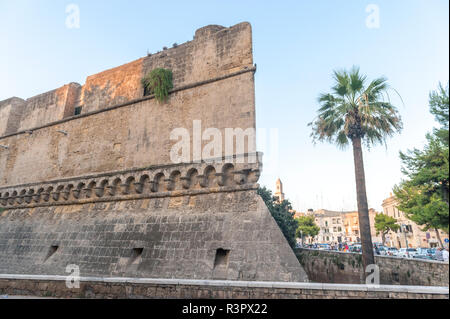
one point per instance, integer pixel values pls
(221, 257)
(77, 110)
(51, 252)
(136, 256)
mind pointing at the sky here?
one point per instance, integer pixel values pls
(297, 45)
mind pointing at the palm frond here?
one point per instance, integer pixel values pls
(353, 104)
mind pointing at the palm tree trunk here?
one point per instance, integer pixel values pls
(363, 209)
(439, 237)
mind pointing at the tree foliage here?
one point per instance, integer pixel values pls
(282, 214)
(306, 227)
(159, 82)
(439, 108)
(424, 194)
(384, 224)
(356, 109)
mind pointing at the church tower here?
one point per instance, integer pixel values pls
(279, 191)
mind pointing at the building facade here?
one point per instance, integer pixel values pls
(410, 234)
(339, 227)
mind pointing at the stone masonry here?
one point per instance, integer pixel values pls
(346, 268)
(97, 189)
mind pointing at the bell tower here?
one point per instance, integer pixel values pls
(279, 190)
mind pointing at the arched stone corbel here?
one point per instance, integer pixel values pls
(254, 175)
(45, 196)
(55, 195)
(185, 182)
(76, 193)
(139, 187)
(99, 191)
(86, 192)
(124, 189)
(202, 180)
(220, 178)
(170, 184)
(12, 198)
(28, 197)
(240, 177)
(37, 197)
(111, 190)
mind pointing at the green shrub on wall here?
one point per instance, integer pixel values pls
(158, 82)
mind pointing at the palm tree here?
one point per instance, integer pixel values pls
(357, 113)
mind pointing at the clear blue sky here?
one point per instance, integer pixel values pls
(297, 45)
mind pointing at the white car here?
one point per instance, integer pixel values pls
(407, 252)
(392, 251)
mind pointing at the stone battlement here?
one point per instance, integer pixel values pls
(228, 174)
(216, 51)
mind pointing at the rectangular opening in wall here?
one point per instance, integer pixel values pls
(221, 257)
(77, 110)
(136, 256)
(51, 252)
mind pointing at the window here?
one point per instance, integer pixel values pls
(51, 252)
(221, 257)
(136, 256)
(339, 229)
(77, 110)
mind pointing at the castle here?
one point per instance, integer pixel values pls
(86, 177)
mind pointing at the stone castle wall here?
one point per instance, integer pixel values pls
(178, 237)
(136, 135)
(99, 190)
(10, 114)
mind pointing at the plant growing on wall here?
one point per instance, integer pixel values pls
(158, 82)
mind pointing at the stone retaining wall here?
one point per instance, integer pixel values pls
(55, 286)
(340, 267)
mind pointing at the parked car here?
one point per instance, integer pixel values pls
(355, 248)
(424, 253)
(407, 252)
(382, 250)
(392, 251)
(324, 247)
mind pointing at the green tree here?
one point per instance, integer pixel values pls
(306, 227)
(384, 224)
(424, 195)
(439, 108)
(356, 112)
(282, 214)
